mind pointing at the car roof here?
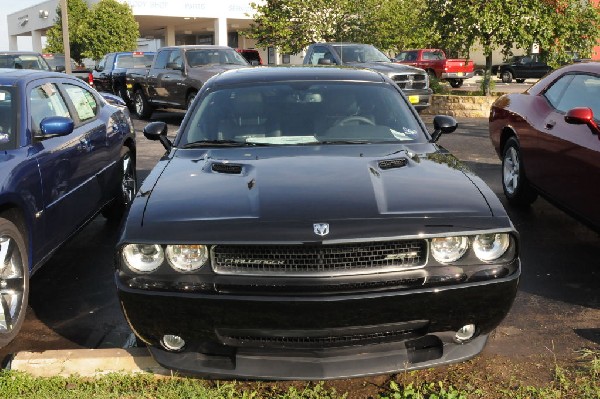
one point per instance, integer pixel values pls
(11, 76)
(296, 73)
(19, 53)
(199, 47)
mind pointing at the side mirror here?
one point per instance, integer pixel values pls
(583, 116)
(324, 61)
(157, 131)
(99, 68)
(175, 66)
(54, 126)
(442, 124)
(60, 68)
(254, 63)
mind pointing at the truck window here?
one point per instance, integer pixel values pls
(161, 59)
(318, 53)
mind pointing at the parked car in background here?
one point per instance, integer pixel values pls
(304, 224)
(251, 55)
(413, 81)
(57, 63)
(548, 140)
(520, 68)
(176, 75)
(109, 74)
(67, 154)
(23, 60)
(434, 61)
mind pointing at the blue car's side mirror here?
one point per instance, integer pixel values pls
(54, 126)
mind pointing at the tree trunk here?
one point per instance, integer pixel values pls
(487, 76)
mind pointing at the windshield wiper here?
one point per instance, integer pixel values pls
(220, 143)
(344, 142)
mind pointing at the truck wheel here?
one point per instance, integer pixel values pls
(115, 209)
(520, 80)
(516, 187)
(143, 109)
(14, 279)
(506, 76)
(456, 83)
(124, 94)
(190, 99)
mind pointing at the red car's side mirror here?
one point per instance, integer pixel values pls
(583, 116)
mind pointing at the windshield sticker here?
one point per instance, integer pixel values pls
(2, 96)
(4, 138)
(410, 132)
(400, 135)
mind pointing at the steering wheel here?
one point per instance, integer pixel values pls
(355, 118)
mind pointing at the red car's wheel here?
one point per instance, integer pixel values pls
(517, 189)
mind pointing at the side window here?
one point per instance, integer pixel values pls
(161, 59)
(84, 102)
(102, 63)
(175, 58)
(318, 53)
(576, 91)
(44, 101)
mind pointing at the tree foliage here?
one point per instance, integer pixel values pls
(112, 27)
(109, 26)
(553, 25)
(292, 25)
(78, 18)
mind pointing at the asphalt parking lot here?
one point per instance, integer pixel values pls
(557, 311)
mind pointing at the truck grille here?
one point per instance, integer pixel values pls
(319, 260)
(412, 81)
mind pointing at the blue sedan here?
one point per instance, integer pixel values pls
(67, 154)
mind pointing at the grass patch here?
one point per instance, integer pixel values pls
(579, 381)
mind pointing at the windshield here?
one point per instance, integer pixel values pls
(214, 57)
(360, 53)
(23, 61)
(301, 113)
(8, 119)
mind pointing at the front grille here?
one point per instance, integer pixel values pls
(319, 260)
(412, 81)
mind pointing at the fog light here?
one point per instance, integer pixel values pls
(173, 342)
(465, 333)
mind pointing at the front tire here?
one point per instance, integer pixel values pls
(456, 83)
(14, 279)
(116, 208)
(506, 76)
(143, 109)
(190, 99)
(516, 187)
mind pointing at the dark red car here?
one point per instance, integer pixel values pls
(548, 140)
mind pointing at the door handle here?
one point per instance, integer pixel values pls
(550, 124)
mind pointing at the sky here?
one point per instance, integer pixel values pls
(9, 7)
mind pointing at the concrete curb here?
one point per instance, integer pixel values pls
(86, 362)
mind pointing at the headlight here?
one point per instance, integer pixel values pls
(489, 247)
(449, 249)
(185, 258)
(143, 257)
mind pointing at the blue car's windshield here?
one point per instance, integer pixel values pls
(302, 113)
(8, 119)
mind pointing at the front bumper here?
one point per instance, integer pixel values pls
(317, 336)
(420, 99)
(457, 75)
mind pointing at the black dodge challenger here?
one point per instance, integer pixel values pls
(304, 224)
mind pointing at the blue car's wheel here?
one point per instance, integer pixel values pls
(14, 279)
(128, 188)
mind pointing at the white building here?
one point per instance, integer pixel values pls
(161, 23)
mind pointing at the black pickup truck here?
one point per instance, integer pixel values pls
(521, 67)
(177, 74)
(109, 73)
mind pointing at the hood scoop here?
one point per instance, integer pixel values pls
(227, 168)
(392, 163)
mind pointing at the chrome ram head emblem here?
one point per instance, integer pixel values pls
(321, 229)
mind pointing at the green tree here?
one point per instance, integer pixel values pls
(111, 27)
(292, 25)
(554, 25)
(78, 17)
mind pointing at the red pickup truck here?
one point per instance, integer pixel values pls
(434, 61)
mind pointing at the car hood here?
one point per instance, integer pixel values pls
(386, 67)
(278, 194)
